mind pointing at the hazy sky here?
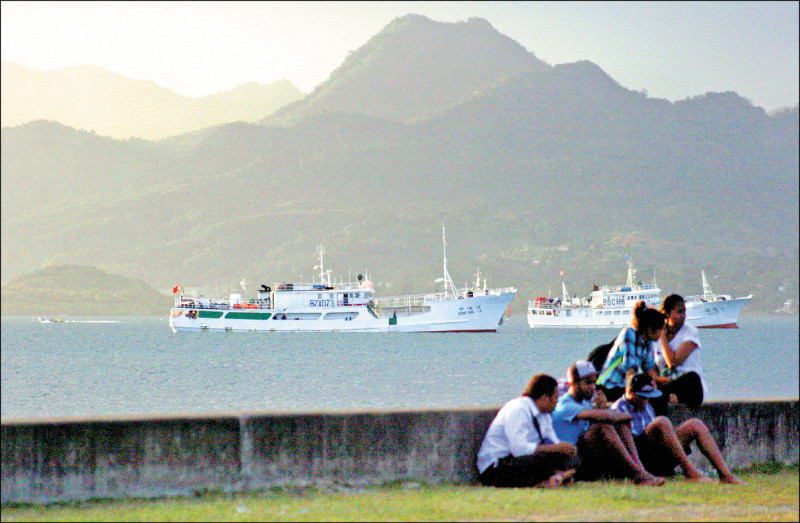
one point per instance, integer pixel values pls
(673, 49)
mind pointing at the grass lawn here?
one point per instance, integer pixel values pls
(768, 496)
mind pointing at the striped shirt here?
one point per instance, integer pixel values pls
(636, 354)
(640, 419)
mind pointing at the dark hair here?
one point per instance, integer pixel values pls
(646, 318)
(540, 385)
(670, 302)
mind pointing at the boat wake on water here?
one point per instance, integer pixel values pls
(92, 321)
(60, 320)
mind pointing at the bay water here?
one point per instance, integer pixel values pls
(132, 366)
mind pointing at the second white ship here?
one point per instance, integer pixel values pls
(607, 306)
(714, 311)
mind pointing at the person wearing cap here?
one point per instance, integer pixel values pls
(520, 448)
(602, 436)
(661, 446)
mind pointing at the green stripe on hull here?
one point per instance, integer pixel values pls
(209, 314)
(248, 316)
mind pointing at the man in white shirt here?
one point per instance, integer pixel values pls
(521, 448)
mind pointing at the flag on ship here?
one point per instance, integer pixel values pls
(177, 289)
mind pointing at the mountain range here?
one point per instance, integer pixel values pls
(540, 173)
(94, 99)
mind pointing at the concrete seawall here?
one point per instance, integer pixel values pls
(45, 461)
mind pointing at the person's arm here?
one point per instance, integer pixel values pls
(599, 400)
(556, 448)
(656, 378)
(603, 416)
(673, 358)
(660, 380)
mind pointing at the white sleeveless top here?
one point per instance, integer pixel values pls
(692, 363)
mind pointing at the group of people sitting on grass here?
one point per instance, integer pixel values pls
(546, 438)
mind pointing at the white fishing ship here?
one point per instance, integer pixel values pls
(606, 306)
(330, 306)
(714, 310)
(789, 307)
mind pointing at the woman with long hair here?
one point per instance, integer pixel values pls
(677, 356)
(632, 351)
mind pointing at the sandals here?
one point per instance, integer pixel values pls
(558, 479)
(648, 480)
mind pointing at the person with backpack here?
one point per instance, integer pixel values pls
(632, 351)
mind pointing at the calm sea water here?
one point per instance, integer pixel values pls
(139, 366)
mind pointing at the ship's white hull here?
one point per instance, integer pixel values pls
(720, 314)
(469, 314)
(710, 314)
(578, 317)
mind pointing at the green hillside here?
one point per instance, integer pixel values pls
(78, 290)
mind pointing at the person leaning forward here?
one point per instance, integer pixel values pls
(602, 436)
(520, 448)
(661, 446)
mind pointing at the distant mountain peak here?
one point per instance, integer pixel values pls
(412, 20)
(405, 21)
(416, 67)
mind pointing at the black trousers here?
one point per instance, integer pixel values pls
(687, 387)
(525, 471)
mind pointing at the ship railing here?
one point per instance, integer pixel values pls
(338, 286)
(413, 300)
(194, 303)
(500, 290)
(558, 305)
(398, 302)
(695, 297)
(623, 288)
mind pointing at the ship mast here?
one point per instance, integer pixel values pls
(631, 271)
(708, 295)
(321, 252)
(448, 282)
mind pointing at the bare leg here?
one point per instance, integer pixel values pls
(607, 437)
(568, 453)
(661, 433)
(625, 435)
(695, 430)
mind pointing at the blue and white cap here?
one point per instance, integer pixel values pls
(642, 384)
